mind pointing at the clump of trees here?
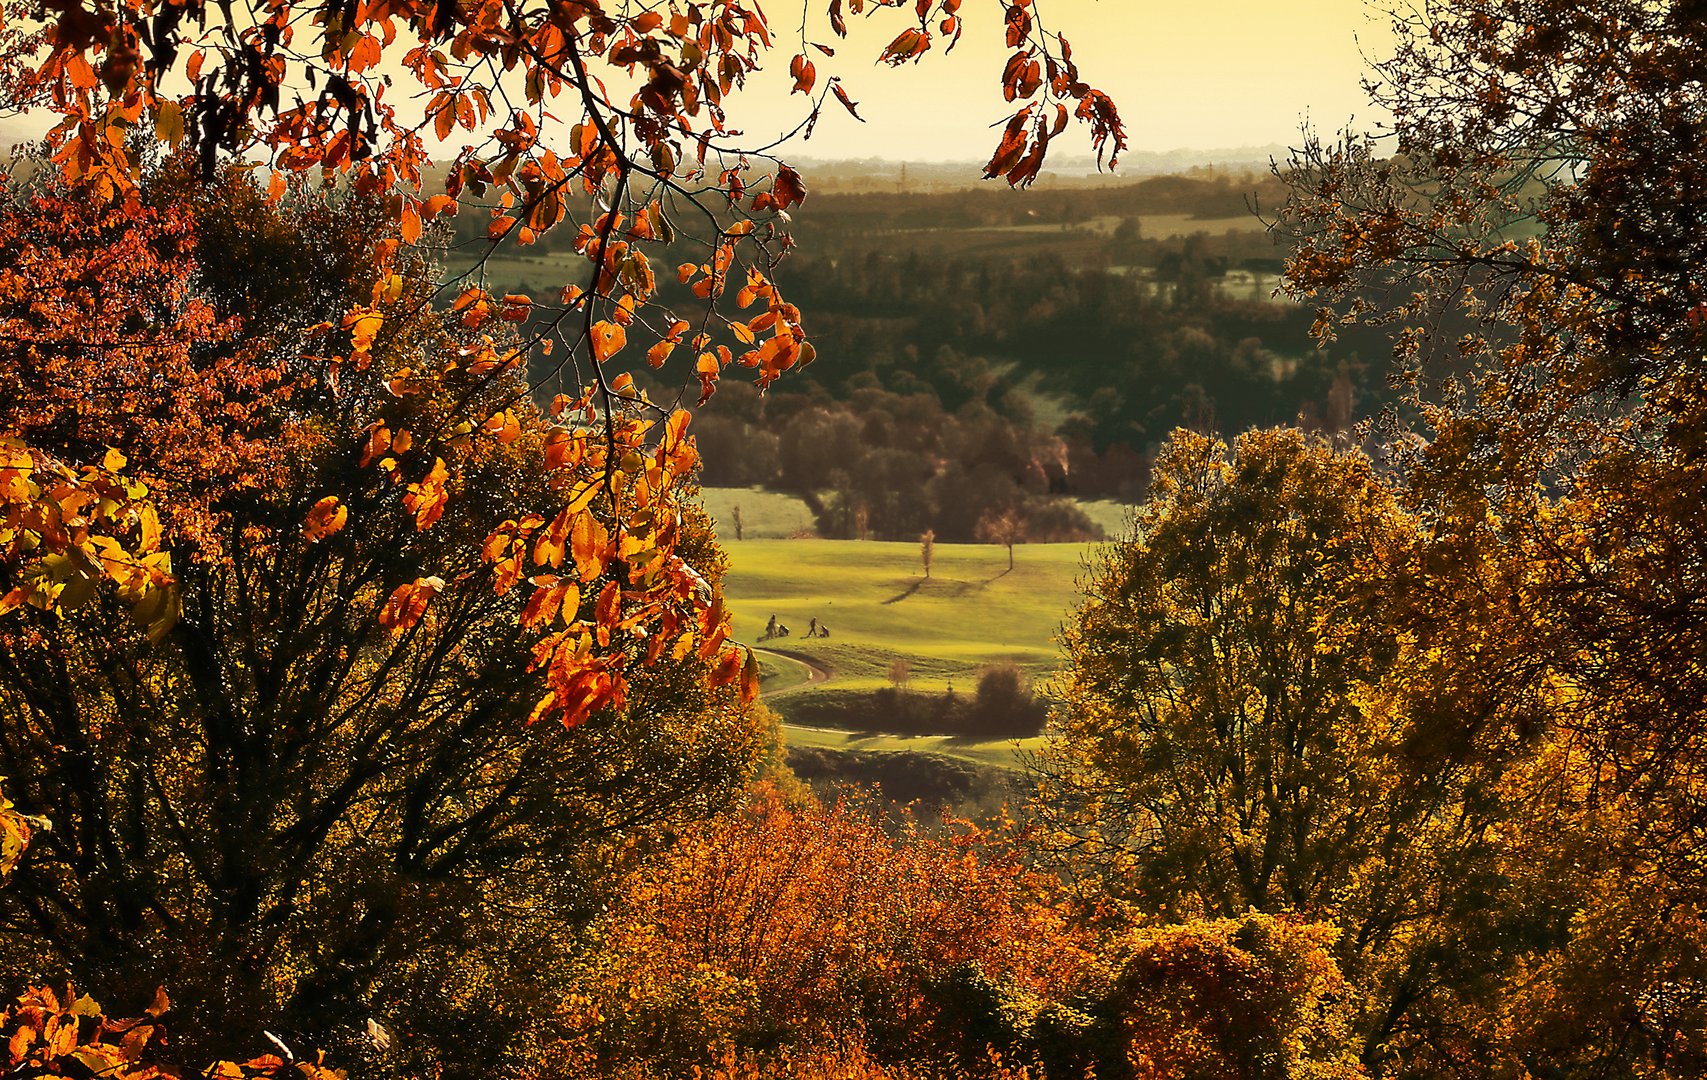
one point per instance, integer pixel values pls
(940, 947)
(889, 466)
(1004, 705)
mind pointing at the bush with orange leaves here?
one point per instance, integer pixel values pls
(804, 941)
(803, 926)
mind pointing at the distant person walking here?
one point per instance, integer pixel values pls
(812, 628)
(770, 627)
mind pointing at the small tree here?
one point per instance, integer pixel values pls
(1006, 527)
(899, 672)
(927, 549)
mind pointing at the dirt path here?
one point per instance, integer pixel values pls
(815, 672)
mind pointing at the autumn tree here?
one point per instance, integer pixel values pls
(1234, 730)
(1536, 207)
(304, 786)
(1004, 527)
(802, 925)
(1258, 996)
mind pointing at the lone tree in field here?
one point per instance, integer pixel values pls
(1006, 528)
(927, 550)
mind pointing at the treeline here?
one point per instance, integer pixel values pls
(1002, 705)
(836, 222)
(889, 466)
(1086, 345)
(926, 408)
(1124, 362)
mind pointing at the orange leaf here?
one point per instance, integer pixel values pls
(590, 545)
(607, 340)
(326, 517)
(408, 603)
(727, 669)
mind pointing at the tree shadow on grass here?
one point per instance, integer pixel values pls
(908, 591)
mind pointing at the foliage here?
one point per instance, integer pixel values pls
(1538, 208)
(648, 146)
(804, 926)
(60, 1033)
(794, 933)
(1258, 996)
(1224, 696)
(313, 790)
(1238, 724)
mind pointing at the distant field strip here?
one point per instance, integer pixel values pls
(879, 608)
(1001, 753)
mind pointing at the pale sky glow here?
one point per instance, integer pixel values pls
(1201, 74)
(1193, 73)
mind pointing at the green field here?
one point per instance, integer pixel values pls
(1001, 753)
(765, 515)
(879, 607)
(971, 613)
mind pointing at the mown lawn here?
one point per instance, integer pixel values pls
(971, 613)
(879, 607)
(1001, 753)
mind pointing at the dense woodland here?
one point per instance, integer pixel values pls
(970, 371)
(367, 699)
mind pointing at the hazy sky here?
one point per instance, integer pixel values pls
(1203, 74)
(1186, 73)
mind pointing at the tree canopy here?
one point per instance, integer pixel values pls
(612, 126)
(317, 765)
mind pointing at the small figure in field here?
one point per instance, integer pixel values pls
(770, 628)
(812, 629)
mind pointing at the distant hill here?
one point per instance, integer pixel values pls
(848, 176)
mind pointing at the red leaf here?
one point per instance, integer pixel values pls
(1019, 25)
(847, 103)
(909, 44)
(788, 189)
(1008, 151)
(803, 73)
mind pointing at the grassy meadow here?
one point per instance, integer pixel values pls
(879, 608)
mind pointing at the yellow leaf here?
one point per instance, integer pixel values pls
(169, 123)
(325, 518)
